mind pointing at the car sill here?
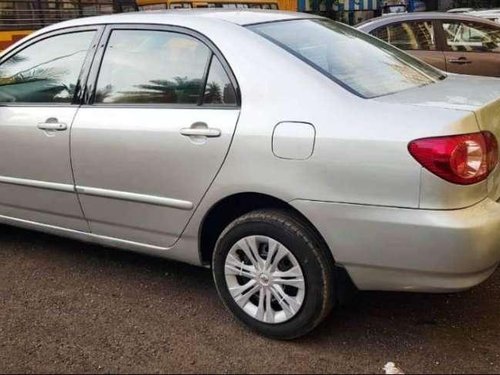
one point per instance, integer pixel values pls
(82, 236)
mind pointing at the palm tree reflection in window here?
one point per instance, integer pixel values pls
(45, 72)
(159, 67)
(45, 82)
(41, 85)
(213, 93)
(180, 90)
(219, 90)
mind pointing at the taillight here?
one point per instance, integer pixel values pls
(462, 159)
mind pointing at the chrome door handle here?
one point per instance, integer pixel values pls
(460, 60)
(52, 124)
(201, 132)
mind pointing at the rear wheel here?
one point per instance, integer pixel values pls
(274, 273)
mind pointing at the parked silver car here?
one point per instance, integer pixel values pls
(292, 153)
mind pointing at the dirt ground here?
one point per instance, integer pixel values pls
(67, 306)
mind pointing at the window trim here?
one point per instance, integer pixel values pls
(206, 73)
(84, 70)
(446, 47)
(91, 82)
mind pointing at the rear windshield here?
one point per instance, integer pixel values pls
(357, 61)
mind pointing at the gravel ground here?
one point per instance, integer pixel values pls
(67, 306)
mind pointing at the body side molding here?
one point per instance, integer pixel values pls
(142, 198)
(97, 192)
(37, 184)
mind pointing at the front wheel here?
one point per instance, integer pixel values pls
(274, 273)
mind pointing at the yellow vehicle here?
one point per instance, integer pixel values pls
(19, 18)
(234, 4)
(9, 37)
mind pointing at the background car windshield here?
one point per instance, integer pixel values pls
(353, 59)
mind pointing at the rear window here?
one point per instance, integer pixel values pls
(359, 62)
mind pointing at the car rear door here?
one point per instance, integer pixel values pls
(415, 37)
(471, 47)
(154, 133)
(39, 87)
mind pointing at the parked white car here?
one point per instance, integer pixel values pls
(459, 10)
(292, 154)
(489, 14)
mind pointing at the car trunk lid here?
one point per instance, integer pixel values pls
(476, 96)
(458, 92)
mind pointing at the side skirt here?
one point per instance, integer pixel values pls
(86, 237)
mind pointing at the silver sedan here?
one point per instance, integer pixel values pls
(296, 156)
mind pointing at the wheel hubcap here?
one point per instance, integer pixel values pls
(265, 279)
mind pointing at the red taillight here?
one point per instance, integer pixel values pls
(462, 159)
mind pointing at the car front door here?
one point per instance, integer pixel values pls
(38, 85)
(471, 47)
(415, 37)
(154, 133)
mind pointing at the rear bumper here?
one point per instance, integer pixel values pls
(385, 248)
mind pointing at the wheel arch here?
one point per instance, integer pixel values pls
(231, 207)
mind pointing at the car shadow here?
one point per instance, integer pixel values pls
(375, 318)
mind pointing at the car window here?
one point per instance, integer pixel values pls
(463, 36)
(218, 90)
(153, 7)
(408, 35)
(180, 5)
(355, 60)
(243, 5)
(46, 71)
(152, 67)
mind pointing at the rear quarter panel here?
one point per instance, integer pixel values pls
(360, 153)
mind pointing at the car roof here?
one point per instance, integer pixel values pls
(236, 16)
(380, 21)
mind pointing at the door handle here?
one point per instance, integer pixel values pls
(208, 132)
(52, 124)
(200, 129)
(460, 60)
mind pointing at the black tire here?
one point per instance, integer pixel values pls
(310, 252)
